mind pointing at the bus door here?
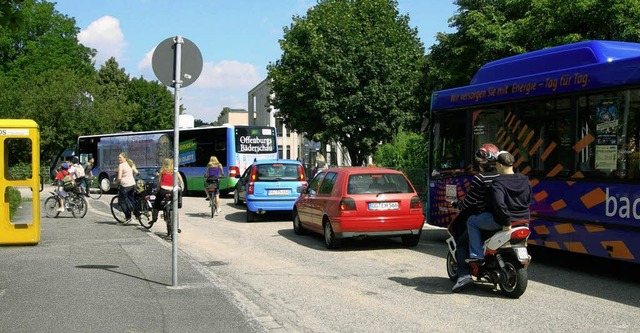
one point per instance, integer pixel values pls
(19, 182)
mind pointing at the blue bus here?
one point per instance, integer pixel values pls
(236, 147)
(571, 117)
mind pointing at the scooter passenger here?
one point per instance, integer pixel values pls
(511, 197)
(474, 204)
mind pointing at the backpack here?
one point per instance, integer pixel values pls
(140, 186)
(67, 182)
(79, 171)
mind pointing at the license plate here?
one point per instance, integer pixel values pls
(278, 192)
(383, 206)
(521, 253)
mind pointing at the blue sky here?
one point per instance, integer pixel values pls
(237, 38)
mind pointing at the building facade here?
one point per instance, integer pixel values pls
(290, 144)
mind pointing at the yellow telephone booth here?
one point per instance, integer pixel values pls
(19, 182)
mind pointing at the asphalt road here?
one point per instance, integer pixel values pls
(292, 283)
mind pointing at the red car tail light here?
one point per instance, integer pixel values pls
(520, 233)
(234, 171)
(347, 204)
(416, 203)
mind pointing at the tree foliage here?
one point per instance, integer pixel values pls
(487, 30)
(349, 72)
(407, 150)
(48, 76)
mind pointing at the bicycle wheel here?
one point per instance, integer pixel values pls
(51, 206)
(116, 210)
(95, 191)
(145, 215)
(212, 204)
(167, 218)
(79, 206)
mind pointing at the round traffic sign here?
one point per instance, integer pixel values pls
(164, 60)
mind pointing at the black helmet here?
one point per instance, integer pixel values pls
(487, 154)
(75, 160)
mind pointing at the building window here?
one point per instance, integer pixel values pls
(288, 151)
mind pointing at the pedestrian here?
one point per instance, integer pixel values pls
(127, 186)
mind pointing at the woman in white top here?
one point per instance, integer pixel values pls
(126, 172)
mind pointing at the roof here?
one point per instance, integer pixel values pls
(567, 68)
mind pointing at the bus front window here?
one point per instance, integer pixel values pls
(448, 143)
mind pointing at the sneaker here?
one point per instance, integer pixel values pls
(207, 198)
(462, 282)
(61, 209)
(219, 210)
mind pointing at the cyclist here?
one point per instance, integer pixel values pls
(212, 174)
(165, 186)
(64, 171)
(126, 171)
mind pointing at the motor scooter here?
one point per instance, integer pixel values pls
(505, 257)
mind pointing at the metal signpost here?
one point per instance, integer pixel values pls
(171, 58)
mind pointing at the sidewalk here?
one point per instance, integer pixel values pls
(90, 275)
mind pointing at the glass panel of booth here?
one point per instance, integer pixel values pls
(18, 153)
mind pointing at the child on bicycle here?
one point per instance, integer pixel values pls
(60, 176)
(165, 185)
(212, 174)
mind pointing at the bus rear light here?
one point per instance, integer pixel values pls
(234, 171)
(347, 204)
(250, 188)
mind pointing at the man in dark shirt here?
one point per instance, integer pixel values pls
(511, 197)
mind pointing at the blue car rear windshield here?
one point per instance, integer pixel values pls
(277, 172)
(378, 183)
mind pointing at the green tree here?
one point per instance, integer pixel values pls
(349, 72)
(406, 151)
(10, 16)
(153, 105)
(44, 74)
(487, 30)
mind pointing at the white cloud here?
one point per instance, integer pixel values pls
(105, 36)
(228, 74)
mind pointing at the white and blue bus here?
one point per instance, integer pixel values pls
(571, 117)
(236, 147)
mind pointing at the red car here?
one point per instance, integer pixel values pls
(359, 202)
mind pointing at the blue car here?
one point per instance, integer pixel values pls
(270, 185)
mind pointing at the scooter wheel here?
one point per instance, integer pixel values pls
(452, 267)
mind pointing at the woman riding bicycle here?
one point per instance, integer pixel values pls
(165, 186)
(212, 174)
(126, 172)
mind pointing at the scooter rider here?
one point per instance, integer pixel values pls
(511, 197)
(474, 204)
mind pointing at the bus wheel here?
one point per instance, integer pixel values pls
(105, 184)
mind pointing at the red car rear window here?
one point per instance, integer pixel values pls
(378, 183)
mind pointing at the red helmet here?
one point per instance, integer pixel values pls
(487, 154)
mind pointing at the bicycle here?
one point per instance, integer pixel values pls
(167, 209)
(141, 201)
(74, 202)
(94, 190)
(211, 188)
